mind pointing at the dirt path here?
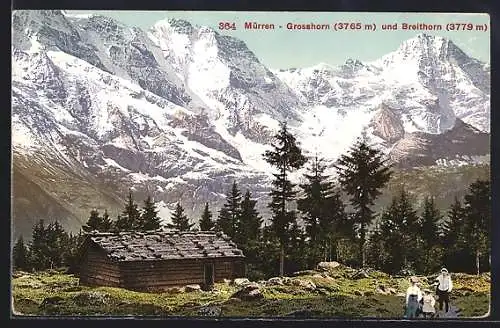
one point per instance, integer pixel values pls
(453, 312)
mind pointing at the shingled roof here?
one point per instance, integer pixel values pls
(165, 245)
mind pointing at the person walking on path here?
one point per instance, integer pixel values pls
(443, 289)
(428, 309)
(413, 297)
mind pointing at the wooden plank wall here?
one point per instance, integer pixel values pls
(97, 270)
(163, 274)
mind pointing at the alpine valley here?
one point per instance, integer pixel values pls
(180, 111)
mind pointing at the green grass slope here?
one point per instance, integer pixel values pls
(335, 294)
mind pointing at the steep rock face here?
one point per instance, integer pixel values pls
(181, 112)
(421, 149)
(387, 125)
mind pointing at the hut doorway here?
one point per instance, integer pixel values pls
(209, 275)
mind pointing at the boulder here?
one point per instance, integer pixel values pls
(175, 290)
(248, 293)
(327, 266)
(392, 290)
(192, 288)
(274, 281)
(210, 311)
(305, 284)
(227, 281)
(241, 282)
(381, 291)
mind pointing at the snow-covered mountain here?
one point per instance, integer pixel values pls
(180, 111)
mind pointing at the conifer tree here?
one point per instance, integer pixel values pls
(286, 157)
(432, 252)
(333, 224)
(393, 236)
(20, 255)
(130, 219)
(57, 244)
(362, 174)
(296, 249)
(478, 213)
(149, 217)
(39, 247)
(431, 217)
(93, 223)
(97, 223)
(206, 223)
(453, 240)
(224, 223)
(313, 205)
(376, 254)
(248, 230)
(249, 224)
(411, 229)
(106, 223)
(230, 214)
(179, 220)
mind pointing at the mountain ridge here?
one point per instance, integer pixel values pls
(183, 120)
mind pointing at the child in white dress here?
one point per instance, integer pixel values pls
(428, 308)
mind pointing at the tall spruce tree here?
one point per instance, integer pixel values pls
(250, 222)
(478, 213)
(362, 174)
(224, 223)
(149, 217)
(296, 249)
(333, 225)
(432, 252)
(431, 218)
(230, 214)
(20, 255)
(179, 220)
(130, 219)
(248, 231)
(317, 191)
(411, 228)
(286, 156)
(393, 236)
(454, 240)
(39, 246)
(206, 222)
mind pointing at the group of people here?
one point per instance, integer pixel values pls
(423, 302)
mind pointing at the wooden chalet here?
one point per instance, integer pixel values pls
(159, 260)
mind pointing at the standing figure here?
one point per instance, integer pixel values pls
(443, 289)
(413, 297)
(428, 308)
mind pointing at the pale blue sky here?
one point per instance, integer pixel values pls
(282, 48)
